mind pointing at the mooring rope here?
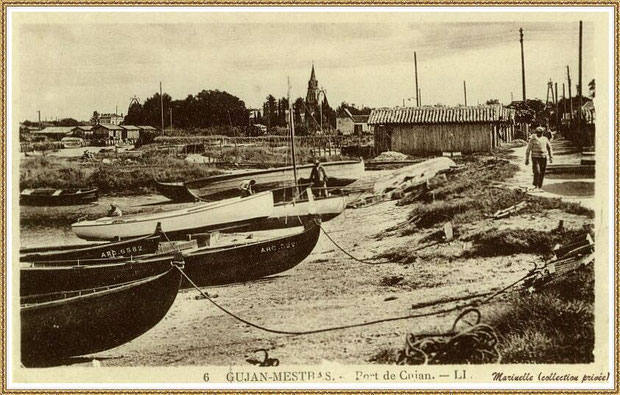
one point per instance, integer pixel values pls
(357, 325)
(370, 261)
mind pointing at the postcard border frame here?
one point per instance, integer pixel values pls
(310, 3)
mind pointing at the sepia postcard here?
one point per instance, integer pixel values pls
(361, 198)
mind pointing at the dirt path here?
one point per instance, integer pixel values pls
(571, 188)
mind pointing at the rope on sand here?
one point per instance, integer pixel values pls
(357, 325)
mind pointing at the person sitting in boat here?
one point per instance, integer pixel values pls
(114, 211)
(318, 178)
(247, 187)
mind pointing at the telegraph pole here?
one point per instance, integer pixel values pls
(292, 131)
(522, 63)
(465, 92)
(417, 90)
(570, 94)
(161, 106)
(39, 111)
(557, 108)
(564, 98)
(580, 87)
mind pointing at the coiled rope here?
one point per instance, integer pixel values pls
(475, 344)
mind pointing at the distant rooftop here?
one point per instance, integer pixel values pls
(434, 115)
(55, 130)
(110, 126)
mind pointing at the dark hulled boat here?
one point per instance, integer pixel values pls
(58, 197)
(250, 261)
(175, 191)
(225, 186)
(54, 327)
(124, 248)
(64, 276)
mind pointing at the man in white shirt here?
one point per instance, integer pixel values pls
(538, 147)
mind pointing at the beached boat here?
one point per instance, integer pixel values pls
(252, 260)
(72, 142)
(62, 325)
(72, 275)
(178, 223)
(124, 248)
(177, 191)
(295, 212)
(58, 197)
(226, 185)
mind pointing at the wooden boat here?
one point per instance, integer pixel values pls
(226, 185)
(176, 191)
(178, 223)
(58, 197)
(72, 142)
(250, 261)
(125, 248)
(54, 327)
(296, 212)
(63, 276)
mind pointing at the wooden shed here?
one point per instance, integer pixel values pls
(432, 130)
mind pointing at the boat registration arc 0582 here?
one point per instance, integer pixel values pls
(131, 250)
(279, 247)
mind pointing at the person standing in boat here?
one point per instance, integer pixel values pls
(318, 178)
(247, 187)
(538, 147)
(114, 211)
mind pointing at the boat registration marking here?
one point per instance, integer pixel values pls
(123, 251)
(279, 247)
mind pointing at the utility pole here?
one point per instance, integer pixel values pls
(564, 98)
(39, 111)
(580, 87)
(417, 90)
(292, 132)
(465, 92)
(570, 94)
(161, 105)
(522, 64)
(511, 97)
(557, 108)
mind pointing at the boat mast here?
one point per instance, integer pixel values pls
(291, 118)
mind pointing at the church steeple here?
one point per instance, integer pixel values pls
(312, 75)
(313, 89)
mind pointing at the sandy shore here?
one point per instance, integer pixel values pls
(330, 289)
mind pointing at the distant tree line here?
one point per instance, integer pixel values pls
(60, 122)
(207, 109)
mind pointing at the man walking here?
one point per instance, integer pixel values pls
(538, 146)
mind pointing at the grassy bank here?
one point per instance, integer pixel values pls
(121, 177)
(552, 325)
(555, 325)
(473, 194)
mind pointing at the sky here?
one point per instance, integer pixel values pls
(69, 65)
